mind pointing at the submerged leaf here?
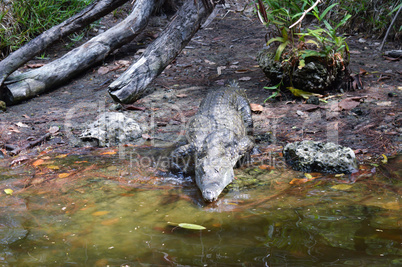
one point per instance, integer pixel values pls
(341, 186)
(191, 226)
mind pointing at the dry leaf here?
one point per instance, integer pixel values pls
(349, 103)
(242, 71)
(53, 129)
(209, 62)
(245, 79)
(103, 70)
(146, 136)
(181, 95)
(36, 65)
(257, 108)
(63, 175)
(38, 162)
(109, 153)
(296, 181)
(20, 124)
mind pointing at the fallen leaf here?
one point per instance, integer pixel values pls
(109, 153)
(132, 107)
(245, 79)
(257, 108)
(385, 160)
(146, 136)
(53, 129)
(181, 95)
(110, 222)
(26, 116)
(362, 71)
(349, 103)
(22, 125)
(63, 175)
(341, 187)
(53, 167)
(38, 162)
(35, 65)
(100, 213)
(61, 156)
(209, 62)
(103, 70)
(8, 191)
(266, 167)
(384, 103)
(301, 93)
(242, 71)
(296, 181)
(191, 226)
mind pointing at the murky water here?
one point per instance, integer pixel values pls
(97, 208)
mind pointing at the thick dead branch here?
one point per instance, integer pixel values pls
(90, 14)
(29, 84)
(132, 84)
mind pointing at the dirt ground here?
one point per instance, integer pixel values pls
(368, 120)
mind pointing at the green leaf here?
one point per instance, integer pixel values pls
(272, 96)
(302, 63)
(343, 21)
(273, 87)
(312, 42)
(191, 226)
(279, 50)
(301, 93)
(327, 10)
(276, 39)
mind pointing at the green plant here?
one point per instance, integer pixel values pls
(22, 20)
(296, 46)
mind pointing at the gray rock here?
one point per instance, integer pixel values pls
(110, 129)
(311, 156)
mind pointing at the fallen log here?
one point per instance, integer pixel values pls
(131, 85)
(36, 46)
(17, 88)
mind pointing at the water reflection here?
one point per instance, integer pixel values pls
(107, 213)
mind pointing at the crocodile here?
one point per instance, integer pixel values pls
(218, 136)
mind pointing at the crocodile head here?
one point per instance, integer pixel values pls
(212, 176)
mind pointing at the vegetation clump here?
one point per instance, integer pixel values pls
(312, 59)
(23, 20)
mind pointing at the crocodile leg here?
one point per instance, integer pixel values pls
(183, 151)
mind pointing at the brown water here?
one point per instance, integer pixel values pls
(97, 208)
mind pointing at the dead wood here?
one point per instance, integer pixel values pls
(132, 84)
(29, 84)
(31, 144)
(36, 46)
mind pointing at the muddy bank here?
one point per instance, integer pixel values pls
(369, 121)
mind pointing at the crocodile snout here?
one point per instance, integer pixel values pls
(210, 195)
